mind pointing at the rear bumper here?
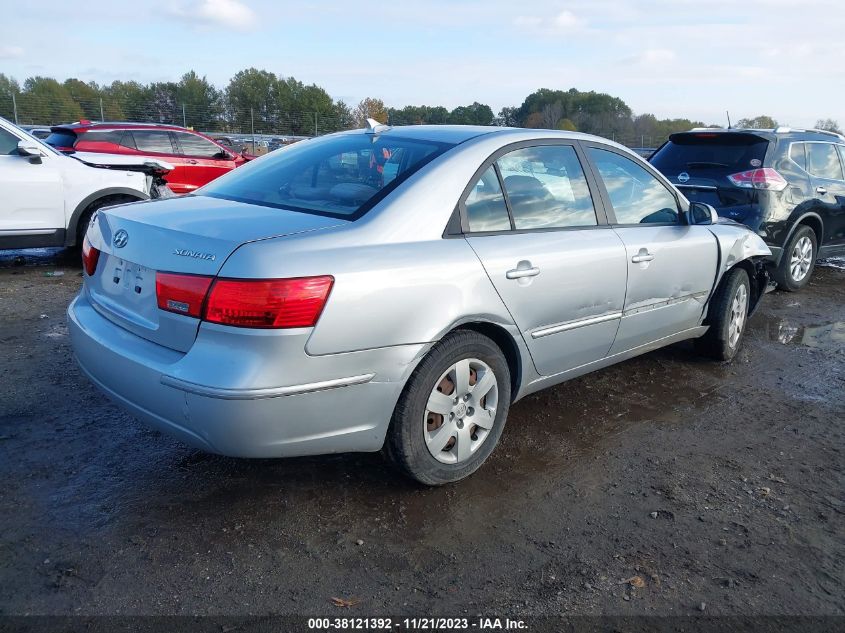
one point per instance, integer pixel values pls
(216, 397)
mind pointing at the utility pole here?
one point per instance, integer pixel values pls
(102, 116)
(252, 123)
(15, 108)
(315, 124)
(184, 119)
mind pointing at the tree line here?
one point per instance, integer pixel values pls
(261, 101)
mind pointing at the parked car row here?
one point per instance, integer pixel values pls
(399, 289)
(49, 197)
(196, 158)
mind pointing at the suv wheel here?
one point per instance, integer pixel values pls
(452, 411)
(727, 315)
(798, 260)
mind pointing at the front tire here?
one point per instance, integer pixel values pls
(798, 260)
(728, 316)
(452, 411)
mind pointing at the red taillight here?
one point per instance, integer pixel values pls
(90, 257)
(763, 178)
(268, 303)
(182, 294)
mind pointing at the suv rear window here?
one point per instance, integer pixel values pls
(337, 176)
(61, 138)
(710, 151)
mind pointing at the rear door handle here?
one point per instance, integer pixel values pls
(642, 256)
(519, 273)
(192, 162)
(821, 190)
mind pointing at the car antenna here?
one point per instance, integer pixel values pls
(375, 128)
(728, 114)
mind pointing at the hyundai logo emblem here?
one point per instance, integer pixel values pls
(683, 177)
(120, 238)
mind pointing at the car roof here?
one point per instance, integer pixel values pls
(122, 125)
(457, 134)
(772, 133)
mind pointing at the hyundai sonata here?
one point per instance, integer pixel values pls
(400, 288)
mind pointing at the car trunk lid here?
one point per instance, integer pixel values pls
(191, 235)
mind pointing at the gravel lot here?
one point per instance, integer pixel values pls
(665, 485)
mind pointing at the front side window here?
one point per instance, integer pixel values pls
(8, 143)
(636, 195)
(823, 161)
(546, 188)
(193, 145)
(153, 141)
(485, 205)
(338, 176)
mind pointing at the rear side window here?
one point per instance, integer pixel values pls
(798, 154)
(693, 152)
(547, 188)
(193, 145)
(636, 195)
(61, 138)
(154, 141)
(337, 176)
(102, 136)
(485, 205)
(823, 161)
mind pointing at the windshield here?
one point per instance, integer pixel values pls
(339, 176)
(710, 151)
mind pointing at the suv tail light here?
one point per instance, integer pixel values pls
(254, 303)
(268, 303)
(763, 178)
(90, 257)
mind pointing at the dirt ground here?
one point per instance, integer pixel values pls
(664, 485)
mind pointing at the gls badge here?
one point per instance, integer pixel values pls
(184, 252)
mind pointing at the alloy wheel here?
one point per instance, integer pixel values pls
(801, 258)
(739, 311)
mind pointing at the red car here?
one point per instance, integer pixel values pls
(197, 159)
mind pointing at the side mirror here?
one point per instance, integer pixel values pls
(29, 148)
(700, 213)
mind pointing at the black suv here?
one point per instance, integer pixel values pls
(787, 185)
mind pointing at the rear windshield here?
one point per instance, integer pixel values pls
(61, 138)
(339, 176)
(717, 151)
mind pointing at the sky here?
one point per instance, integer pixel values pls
(684, 58)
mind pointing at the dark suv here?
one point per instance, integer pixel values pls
(787, 185)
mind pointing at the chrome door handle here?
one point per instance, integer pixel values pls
(519, 273)
(821, 190)
(192, 162)
(642, 257)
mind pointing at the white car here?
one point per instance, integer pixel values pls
(48, 198)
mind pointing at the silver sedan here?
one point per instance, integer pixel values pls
(400, 288)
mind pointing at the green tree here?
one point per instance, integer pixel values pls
(762, 122)
(200, 101)
(822, 124)
(253, 94)
(8, 87)
(474, 114)
(370, 108)
(126, 101)
(45, 101)
(567, 125)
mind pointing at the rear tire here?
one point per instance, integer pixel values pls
(728, 316)
(798, 260)
(452, 411)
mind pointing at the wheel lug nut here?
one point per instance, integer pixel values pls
(451, 416)
(470, 411)
(466, 397)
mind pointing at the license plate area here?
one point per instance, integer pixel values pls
(127, 277)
